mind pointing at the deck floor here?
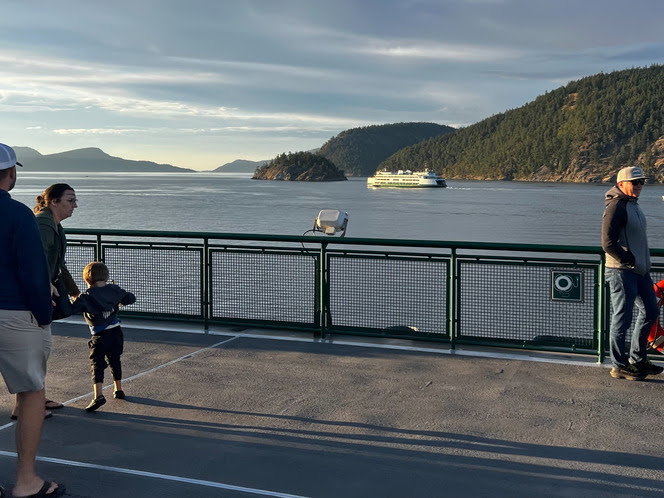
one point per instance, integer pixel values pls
(266, 413)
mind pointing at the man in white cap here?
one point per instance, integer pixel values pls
(25, 332)
(625, 243)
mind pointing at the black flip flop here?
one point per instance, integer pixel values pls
(15, 417)
(42, 493)
(55, 406)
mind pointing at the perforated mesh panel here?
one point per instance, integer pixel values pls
(656, 275)
(165, 280)
(77, 257)
(398, 294)
(274, 286)
(508, 301)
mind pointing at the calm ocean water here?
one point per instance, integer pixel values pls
(519, 212)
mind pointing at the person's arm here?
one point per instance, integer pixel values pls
(32, 270)
(82, 304)
(613, 222)
(70, 283)
(127, 299)
(49, 242)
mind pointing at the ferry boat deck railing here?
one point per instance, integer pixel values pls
(528, 296)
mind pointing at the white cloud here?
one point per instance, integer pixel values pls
(439, 52)
(161, 131)
(97, 131)
(28, 70)
(66, 85)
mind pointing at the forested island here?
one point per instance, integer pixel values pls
(299, 166)
(582, 132)
(359, 151)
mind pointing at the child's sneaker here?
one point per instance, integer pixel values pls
(119, 394)
(96, 403)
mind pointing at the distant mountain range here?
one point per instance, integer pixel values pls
(93, 159)
(90, 159)
(246, 166)
(240, 166)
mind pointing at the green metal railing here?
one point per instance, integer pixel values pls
(515, 295)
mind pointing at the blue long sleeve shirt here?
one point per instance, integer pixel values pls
(24, 274)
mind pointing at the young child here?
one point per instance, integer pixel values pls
(99, 305)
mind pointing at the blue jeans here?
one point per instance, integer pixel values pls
(629, 289)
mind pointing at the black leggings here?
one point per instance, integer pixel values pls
(106, 346)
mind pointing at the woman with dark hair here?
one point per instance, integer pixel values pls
(55, 204)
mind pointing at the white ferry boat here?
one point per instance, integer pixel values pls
(401, 178)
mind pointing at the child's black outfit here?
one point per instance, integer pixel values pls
(100, 306)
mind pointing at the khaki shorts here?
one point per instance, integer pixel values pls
(24, 350)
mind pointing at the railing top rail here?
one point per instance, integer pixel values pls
(327, 240)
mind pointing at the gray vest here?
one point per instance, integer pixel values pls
(633, 239)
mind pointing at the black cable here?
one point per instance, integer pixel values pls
(308, 251)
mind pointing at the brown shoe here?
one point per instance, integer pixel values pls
(629, 372)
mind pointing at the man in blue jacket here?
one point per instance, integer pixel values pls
(25, 332)
(625, 243)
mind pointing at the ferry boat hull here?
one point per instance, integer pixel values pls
(406, 179)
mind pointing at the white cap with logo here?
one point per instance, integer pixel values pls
(7, 157)
(630, 173)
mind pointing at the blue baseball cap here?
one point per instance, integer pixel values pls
(7, 157)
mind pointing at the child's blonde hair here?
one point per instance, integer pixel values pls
(95, 272)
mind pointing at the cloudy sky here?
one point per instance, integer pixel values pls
(199, 83)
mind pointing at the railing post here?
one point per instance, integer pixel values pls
(601, 302)
(324, 291)
(206, 277)
(451, 299)
(98, 251)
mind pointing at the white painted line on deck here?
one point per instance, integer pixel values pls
(158, 367)
(141, 374)
(140, 473)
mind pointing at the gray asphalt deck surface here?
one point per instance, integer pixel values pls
(232, 415)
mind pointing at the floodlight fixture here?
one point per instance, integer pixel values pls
(331, 221)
